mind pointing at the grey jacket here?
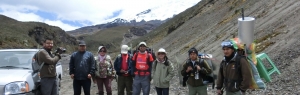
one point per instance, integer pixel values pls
(162, 74)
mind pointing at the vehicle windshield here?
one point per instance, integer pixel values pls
(16, 59)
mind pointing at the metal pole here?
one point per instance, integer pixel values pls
(245, 48)
(243, 13)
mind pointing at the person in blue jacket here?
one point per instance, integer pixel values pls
(82, 68)
(122, 66)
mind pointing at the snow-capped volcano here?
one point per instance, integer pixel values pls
(166, 9)
(148, 18)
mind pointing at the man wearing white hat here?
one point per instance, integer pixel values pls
(123, 69)
(141, 69)
(162, 72)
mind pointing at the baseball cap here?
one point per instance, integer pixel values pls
(82, 43)
(124, 49)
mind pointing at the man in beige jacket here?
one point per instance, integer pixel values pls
(48, 70)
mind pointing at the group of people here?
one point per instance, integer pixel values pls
(142, 68)
(136, 71)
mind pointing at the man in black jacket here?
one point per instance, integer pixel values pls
(82, 67)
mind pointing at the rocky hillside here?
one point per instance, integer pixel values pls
(210, 22)
(111, 38)
(15, 34)
(145, 25)
(111, 34)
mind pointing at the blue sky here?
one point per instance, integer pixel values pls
(115, 14)
(73, 14)
(48, 15)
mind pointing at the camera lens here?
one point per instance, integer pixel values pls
(64, 50)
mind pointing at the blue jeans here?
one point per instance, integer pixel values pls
(141, 83)
(162, 91)
(85, 84)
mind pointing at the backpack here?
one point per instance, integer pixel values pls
(210, 78)
(256, 82)
(149, 50)
(207, 79)
(36, 65)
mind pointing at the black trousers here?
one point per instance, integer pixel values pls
(162, 91)
(125, 82)
(85, 84)
(49, 86)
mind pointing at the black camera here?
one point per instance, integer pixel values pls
(60, 50)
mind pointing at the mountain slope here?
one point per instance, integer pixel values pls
(210, 22)
(147, 25)
(15, 34)
(112, 34)
(111, 38)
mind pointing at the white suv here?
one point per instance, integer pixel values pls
(19, 74)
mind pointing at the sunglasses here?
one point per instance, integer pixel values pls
(102, 51)
(160, 53)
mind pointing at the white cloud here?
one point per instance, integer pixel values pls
(22, 16)
(60, 24)
(92, 11)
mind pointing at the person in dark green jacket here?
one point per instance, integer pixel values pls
(235, 79)
(195, 71)
(162, 72)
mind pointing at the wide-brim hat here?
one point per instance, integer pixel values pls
(142, 43)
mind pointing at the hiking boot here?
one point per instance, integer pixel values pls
(101, 93)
